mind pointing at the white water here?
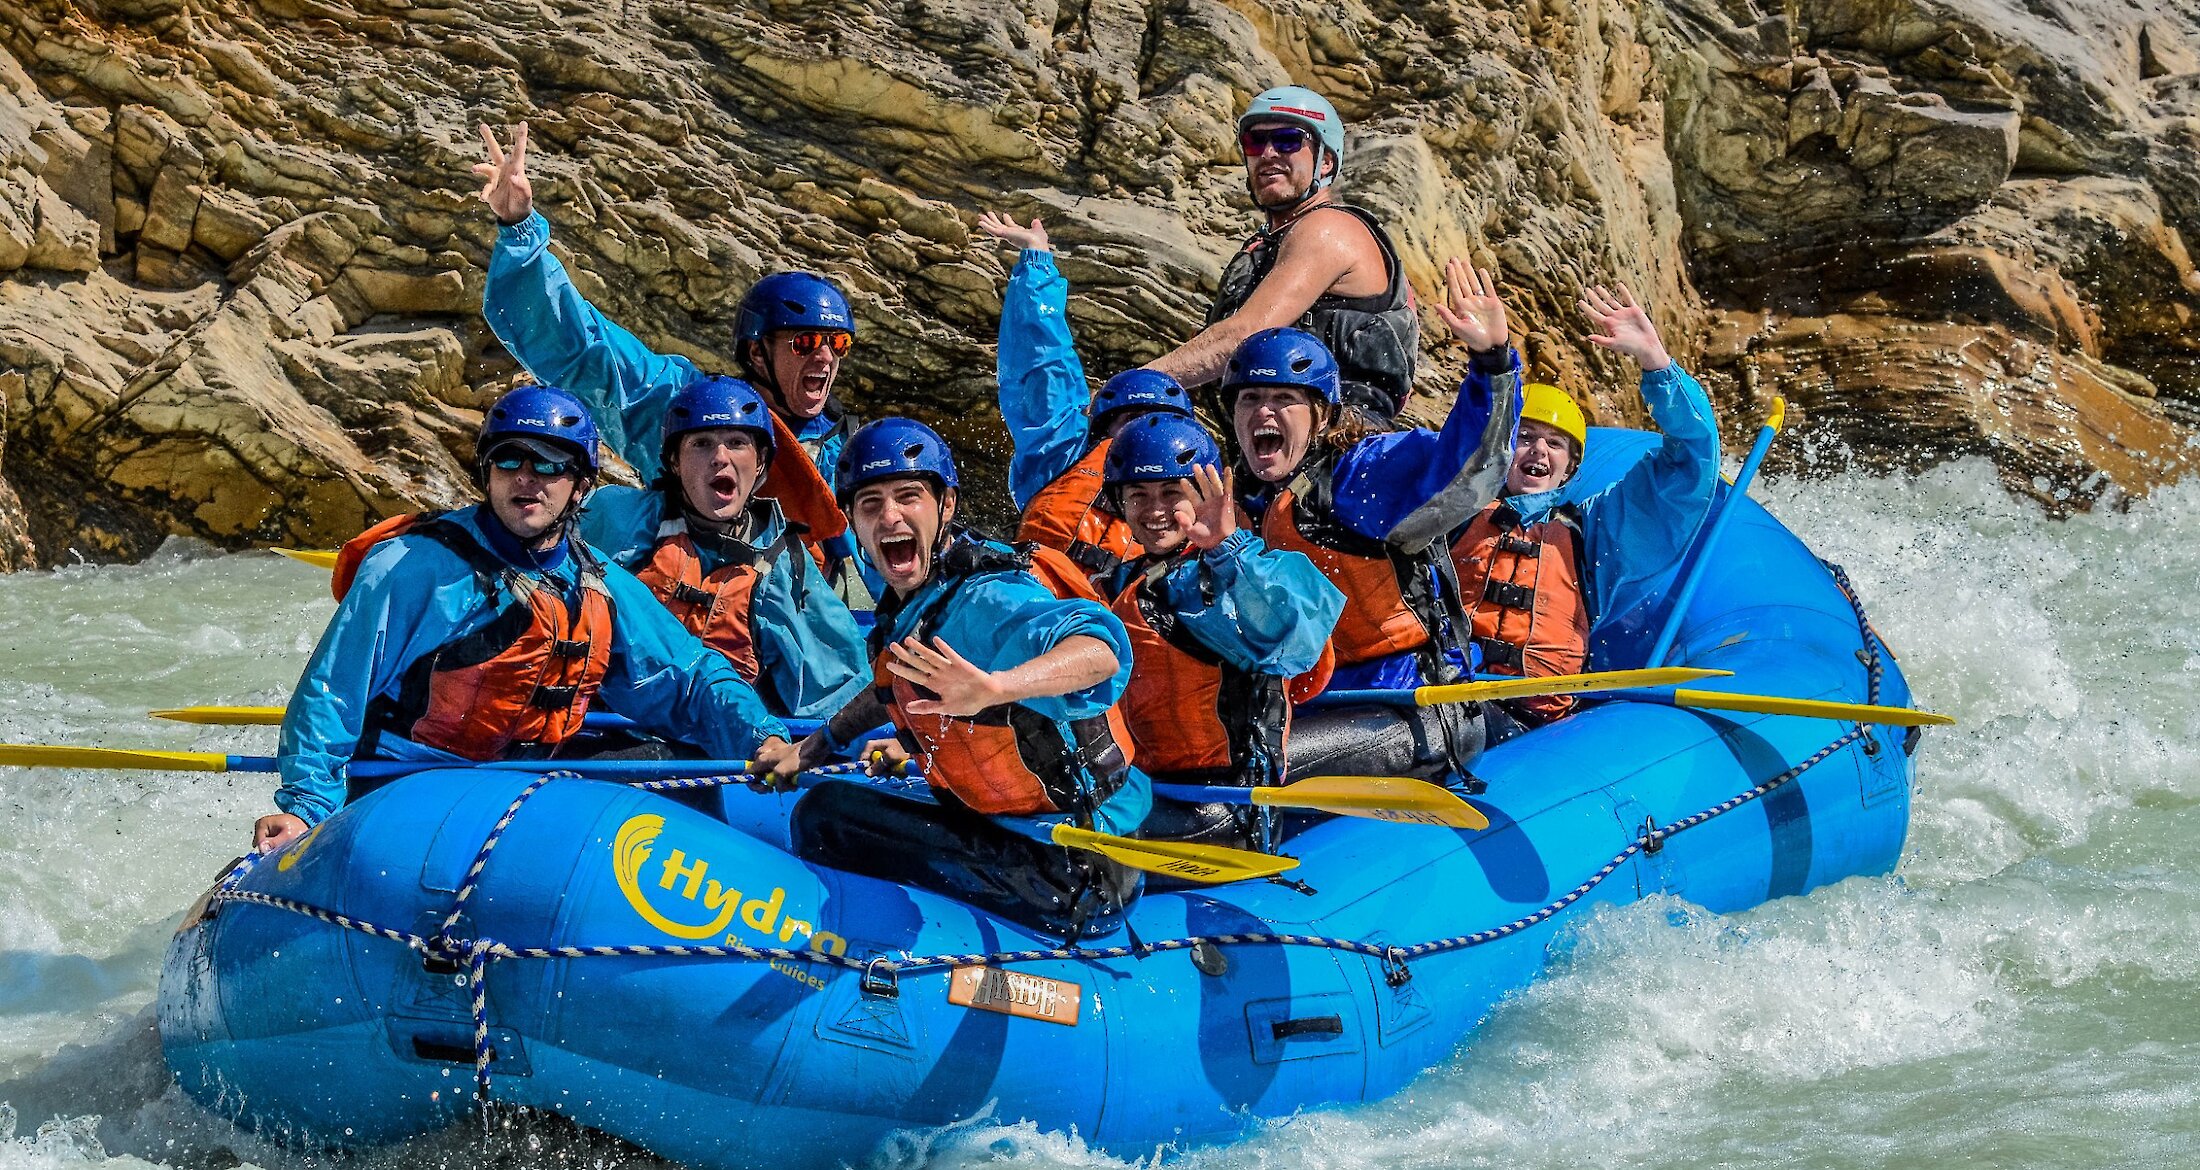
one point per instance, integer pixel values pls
(2025, 991)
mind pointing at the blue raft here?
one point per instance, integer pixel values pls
(650, 971)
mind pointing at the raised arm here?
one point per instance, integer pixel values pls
(1414, 487)
(531, 305)
(1043, 395)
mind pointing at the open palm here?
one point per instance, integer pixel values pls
(1471, 308)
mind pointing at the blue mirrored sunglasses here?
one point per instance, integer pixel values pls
(546, 468)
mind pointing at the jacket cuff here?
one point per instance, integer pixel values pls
(1234, 545)
(1495, 362)
(532, 232)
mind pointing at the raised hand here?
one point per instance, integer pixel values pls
(1471, 308)
(1210, 516)
(504, 177)
(962, 688)
(1622, 326)
(1006, 230)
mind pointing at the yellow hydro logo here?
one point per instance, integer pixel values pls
(701, 907)
(631, 852)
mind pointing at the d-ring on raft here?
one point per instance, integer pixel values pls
(647, 970)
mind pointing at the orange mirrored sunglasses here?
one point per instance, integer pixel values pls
(807, 341)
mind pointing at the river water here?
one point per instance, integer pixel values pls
(2024, 991)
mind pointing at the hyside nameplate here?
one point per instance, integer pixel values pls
(1034, 997)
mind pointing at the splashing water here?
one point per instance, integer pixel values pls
(2019, 993)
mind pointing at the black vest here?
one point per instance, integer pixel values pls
(1373, 338)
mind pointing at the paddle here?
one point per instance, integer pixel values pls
(1687, 590)
(319, 558)
(1382, 798)
(1780, 705)
(45, 756)
(1518, 688)
(1211, 864)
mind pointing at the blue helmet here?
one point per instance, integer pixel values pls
(1301, 106)
(892, 448)
(791, 300)
(1160, 447)
(1283, 357)
(715, 401)
(542, 414)
(1139, 390)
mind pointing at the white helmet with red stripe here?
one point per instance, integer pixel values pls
(1301, 106)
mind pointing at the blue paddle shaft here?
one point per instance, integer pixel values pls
(1687, 591)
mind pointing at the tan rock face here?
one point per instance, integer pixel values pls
(242, 261)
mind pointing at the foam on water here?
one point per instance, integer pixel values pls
(2017, 994)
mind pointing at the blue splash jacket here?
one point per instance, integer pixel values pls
(412, 596)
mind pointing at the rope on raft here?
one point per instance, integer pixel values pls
(881, 973)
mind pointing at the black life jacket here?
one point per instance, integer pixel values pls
(1374, 339)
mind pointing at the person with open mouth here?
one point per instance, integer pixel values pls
(1318, 263)
(488, 633)
(1520, 563)
(1061, 430)
(1226, 633)
(1371, 509)
(725, 559)
(1004, 693)
(791, 332)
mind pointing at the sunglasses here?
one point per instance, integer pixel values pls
(808, 340)
(1281, 139)
(546, 468)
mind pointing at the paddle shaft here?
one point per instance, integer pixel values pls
(1709, 544)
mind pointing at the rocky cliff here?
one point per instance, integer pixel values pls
(242, 259)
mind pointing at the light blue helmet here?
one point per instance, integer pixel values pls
(1301, 106)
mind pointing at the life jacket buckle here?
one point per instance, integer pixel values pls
(687, 594)
(573, 648)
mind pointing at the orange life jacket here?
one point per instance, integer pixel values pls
(1067, 515)
(519, 685)
(719, 606)
(1193, 717)
(1394, 602)
(1522, 589)
(1007, 760)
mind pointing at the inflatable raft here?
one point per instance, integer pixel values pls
(653, 972)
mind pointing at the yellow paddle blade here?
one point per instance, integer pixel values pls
(1201, 863)
(1813, 708)
(37, 756)
(1562, 684)
(224, 716)
(320, 558)
(1381, 798)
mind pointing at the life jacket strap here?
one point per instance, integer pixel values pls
(1509, 595)
(554, 698)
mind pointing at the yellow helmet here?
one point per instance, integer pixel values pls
(1550, 405)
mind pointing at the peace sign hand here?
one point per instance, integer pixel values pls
(504, 177)
(1623, 326)
(1471, 307)
(962, 688)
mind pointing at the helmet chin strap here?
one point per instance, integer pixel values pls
(1298, 202)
